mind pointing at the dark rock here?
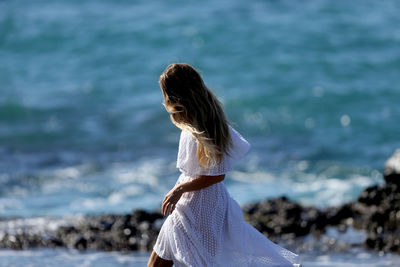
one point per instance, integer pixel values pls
(282, 216)
(55, 242)
(80, 243)
(335, 216)
(371, 196)
(391, 169)
(142, 215)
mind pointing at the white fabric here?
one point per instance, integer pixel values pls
(187, 157)
(207, 226)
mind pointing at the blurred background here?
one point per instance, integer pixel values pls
(313, 85)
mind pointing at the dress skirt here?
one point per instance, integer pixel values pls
(207, 229)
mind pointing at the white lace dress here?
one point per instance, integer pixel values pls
(207, 226)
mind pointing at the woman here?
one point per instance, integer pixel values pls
(205, 226)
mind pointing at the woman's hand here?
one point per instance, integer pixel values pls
(170, 200)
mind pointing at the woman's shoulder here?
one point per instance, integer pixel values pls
(187, 141)
(239, 143)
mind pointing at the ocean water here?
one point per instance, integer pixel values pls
(313, 86)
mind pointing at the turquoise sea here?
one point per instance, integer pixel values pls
(313, 85)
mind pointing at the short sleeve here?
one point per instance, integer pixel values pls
(187, 157)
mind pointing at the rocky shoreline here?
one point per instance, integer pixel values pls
(376, 213)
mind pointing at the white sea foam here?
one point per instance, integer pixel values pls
(123, 186)
(322, 189)
(38, 224)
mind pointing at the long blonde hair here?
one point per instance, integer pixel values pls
(195, 108)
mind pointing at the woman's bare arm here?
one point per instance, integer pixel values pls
(172, 197)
